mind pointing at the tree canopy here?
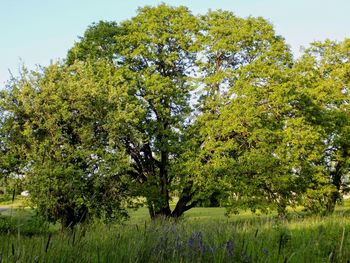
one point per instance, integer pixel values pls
(169, 106)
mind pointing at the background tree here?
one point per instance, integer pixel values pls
(12, 142)
(323, 79)
(245, 107)
(73, 170)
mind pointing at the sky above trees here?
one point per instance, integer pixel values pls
(38, 31)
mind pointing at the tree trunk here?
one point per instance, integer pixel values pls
(182, 205)
(336, 181)
(151, 209)
(164, 183)
(71, 216)
(162, 208)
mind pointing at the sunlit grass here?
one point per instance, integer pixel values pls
(203, 235)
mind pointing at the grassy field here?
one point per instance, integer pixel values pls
(203, 235)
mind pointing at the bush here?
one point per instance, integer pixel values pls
(29, 227)
(5, 198)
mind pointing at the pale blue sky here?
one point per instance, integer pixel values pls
(38, 31)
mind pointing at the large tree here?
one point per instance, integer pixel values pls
(56, 119)
(251, 141)
(155, 53)
(158, 56)
(239, 67)
(170, 104)
(322, 78)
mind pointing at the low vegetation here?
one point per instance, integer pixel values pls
(203, 235)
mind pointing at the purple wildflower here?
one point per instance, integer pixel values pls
(229, 247)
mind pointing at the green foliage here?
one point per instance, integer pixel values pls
(157, 54)
(97, 43)
(167, 104)
(27, 227)
(322, 79)
(245, 102)
(72, 168)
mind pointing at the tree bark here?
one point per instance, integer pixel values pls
(182, 205)
(164, 209)
(336, 181)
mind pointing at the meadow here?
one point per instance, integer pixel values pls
(210, 108)
(203, 235)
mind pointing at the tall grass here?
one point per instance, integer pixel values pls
(193, 239)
